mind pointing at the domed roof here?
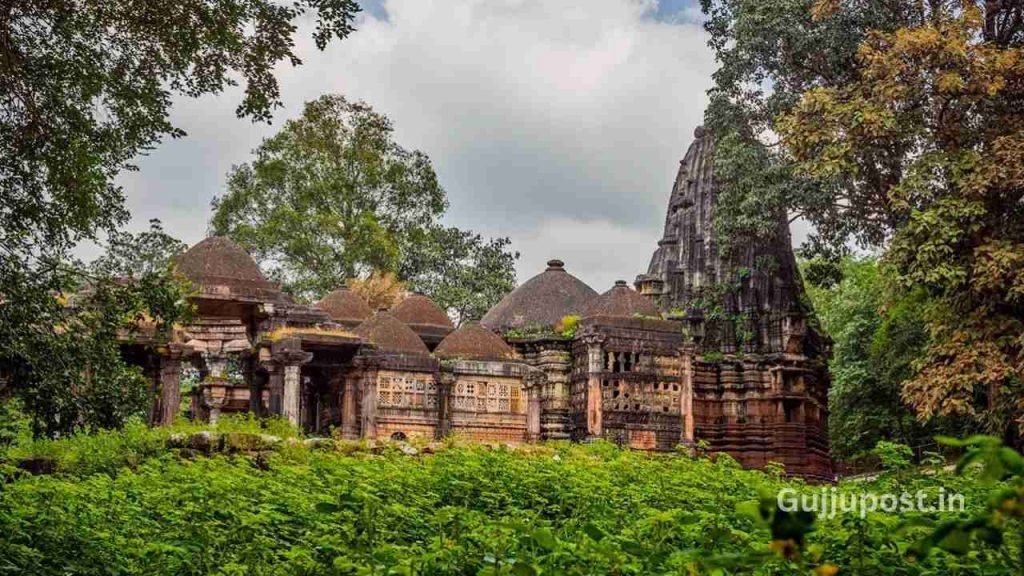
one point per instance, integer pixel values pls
(621, 300)
(220, 266)
(473, 341)
(390, 334)
(417, 309)
(540, 301)
(345, 305)
(218, 257)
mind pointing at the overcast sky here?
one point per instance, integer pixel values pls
(557, 123)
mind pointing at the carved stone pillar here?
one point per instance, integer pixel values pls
(349, 412)
(369, 367)
(275, 387)
(445, 385)
(535, 380)
(213, 400)
(595, 359)
(170, 383)
(686, 400)
(291, 362)
(258, 383)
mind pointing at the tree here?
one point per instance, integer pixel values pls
(69, 372)
(936, 108)
(464, 273)
(895, 125)
(877, 334)
(770, 52)
(84, 88)
(332, 197)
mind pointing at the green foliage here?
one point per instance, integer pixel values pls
(890, 125)
(877, 335)
(332, 197)
(770, 52)
(568, 325)
(122, 501)
(84, 89)
(893, 455)
(996, 529)
(713, 357)
(531, 332)
(15, 425)
(68, 369)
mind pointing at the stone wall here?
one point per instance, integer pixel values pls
(553, 358)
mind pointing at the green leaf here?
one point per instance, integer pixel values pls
(523, 569)
(545, 538)
(327, 507)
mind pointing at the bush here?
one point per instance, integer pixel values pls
(458, 509)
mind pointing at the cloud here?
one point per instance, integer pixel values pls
(557, 123)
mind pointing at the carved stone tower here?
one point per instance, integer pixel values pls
(756, 363)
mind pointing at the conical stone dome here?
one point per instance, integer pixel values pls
(541, 301)
(390, 334)
(419, 309)
(621, 300)
(473, 341)
(425, 318)
(219, 266)
(345, 307)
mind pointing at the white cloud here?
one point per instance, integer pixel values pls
(556, 123)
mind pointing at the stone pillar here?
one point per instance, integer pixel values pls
(286, 381)
(291, 403)
(258, 384)
(445, 384)
(369, 367)
(349, 414)
(275, 385)
(535, 380)
(170, 383)
(254, 383)
(594, 367)
(290, 362)
(214, 399)
(686, 400)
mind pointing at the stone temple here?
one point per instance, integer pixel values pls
(708, 350)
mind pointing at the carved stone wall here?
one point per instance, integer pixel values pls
(553, 358)
(626, 383)
(407, 404)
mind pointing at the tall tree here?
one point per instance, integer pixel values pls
(936, 108)
(770, 52)
(895, 125)
(85, 87)
(332, 197)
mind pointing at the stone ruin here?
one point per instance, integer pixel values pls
(709, 347)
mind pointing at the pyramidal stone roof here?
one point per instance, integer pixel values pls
(417, 309)
(220, 266)
(344, 305)
(473, 341)
(621, 300)
(390, 334)
(541, 301)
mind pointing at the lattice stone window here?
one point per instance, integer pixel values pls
(465, 396)
(516, 400)
(481, 396)
(411, 391)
